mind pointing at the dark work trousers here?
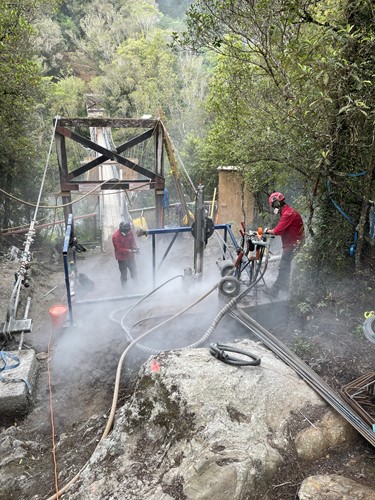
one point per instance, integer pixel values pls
(124, 265)
(283, 278)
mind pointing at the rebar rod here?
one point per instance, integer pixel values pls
(306, 373)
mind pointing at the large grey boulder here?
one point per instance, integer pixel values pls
(334, 487)
(315, 441)
(199, 429)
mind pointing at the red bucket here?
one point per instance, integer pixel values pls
(58, 315)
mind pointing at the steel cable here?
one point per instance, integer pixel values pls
(305, 372)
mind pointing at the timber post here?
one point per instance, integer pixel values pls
(63, 171)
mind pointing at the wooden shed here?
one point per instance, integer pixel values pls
(235, 200)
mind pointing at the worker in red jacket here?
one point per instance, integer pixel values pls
(290, 228)
(125, 247)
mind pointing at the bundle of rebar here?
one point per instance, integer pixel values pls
(360, 395)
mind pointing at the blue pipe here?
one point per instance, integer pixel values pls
(336, 204)
(68, 233)
(186, 229)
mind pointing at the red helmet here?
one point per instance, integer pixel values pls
(276, 197)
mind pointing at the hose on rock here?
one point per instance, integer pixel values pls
(117, 386)
(219, 351)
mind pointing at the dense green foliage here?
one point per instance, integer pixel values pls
(293, 104)
(117, 51)
(21, 89)
(174, 8)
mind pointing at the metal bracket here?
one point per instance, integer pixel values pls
(18, 326)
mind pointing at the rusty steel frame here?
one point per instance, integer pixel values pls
(360, 395)
(155, 178)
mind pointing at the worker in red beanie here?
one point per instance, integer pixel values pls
(125, 247)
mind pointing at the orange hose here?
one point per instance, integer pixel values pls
(51, 413)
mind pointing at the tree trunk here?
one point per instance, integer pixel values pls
(7, 201)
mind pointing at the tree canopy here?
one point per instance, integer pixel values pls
(293, 103)
(21, 90)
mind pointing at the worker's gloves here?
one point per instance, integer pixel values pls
(135, 250)
(265, 231)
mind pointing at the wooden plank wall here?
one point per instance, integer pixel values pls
(235, 202)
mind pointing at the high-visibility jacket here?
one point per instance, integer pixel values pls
(123, 245)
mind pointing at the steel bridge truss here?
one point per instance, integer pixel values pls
(68, 180)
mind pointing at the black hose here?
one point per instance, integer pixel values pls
(368, 329)
(218, 351)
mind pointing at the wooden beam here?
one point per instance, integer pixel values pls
(63, 171)
(110, 184)
(136, 140)
(115, 185)
(134, 181)
(107, 122)
(86, 167)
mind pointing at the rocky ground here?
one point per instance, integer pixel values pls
(83, 361)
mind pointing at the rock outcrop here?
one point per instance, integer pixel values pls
(198, 429)
(334, 487)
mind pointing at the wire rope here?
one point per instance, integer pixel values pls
(26, 256)
(53, 207)
(184, 169)
(45, 170)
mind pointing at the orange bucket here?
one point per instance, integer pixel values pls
(58, 315)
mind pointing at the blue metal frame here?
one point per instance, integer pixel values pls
(233, 238)
(153, 232)
(175, 230)
(68, 232)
